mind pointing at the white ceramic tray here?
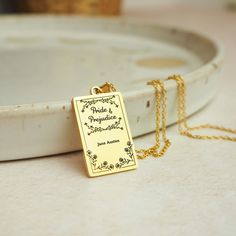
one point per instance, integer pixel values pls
(45, 61)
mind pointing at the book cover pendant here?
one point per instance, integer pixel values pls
(105, 133)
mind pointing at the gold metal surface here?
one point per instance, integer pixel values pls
(158, 150)
(105, 134)
(183, 127)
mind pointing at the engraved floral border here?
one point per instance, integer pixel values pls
(94, 129)
(105, 165)
(89, 102)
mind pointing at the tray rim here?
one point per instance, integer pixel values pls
(50, 127)
(56, 105)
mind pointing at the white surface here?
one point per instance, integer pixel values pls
(45, 61)
(135, 4)
(191, 191)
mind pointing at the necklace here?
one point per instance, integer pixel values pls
(107, 102)
(183, 127)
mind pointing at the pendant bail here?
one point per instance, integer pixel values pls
(105, 88)
(108, 87)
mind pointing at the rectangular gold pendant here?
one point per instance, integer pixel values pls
(105, 133)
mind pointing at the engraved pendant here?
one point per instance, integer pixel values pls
(105, 133)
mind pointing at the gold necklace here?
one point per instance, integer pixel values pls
(105, 134)
(155, 151)
(183, 128)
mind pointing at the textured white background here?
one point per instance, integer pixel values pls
(191, 191)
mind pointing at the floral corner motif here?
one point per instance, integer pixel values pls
(105, 165)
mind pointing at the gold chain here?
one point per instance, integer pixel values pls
(160, 93)
(154, 151)
(183, 127)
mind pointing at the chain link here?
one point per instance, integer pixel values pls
(155, 151)
(183, 127)
(161, 99)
